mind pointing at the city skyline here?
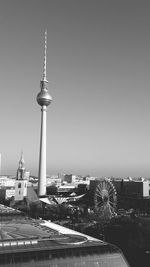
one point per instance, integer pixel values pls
(98, 65)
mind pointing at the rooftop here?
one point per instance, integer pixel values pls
(33, 242)
(29, 234)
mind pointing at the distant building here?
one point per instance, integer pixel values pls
(66, 188)
(53, 180)
(7, 188)
(71, 178)
(68, 178)
(6, 182)
(27, 175)
(6, 193)
(132, 188)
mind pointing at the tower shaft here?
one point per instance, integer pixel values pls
(42, 156)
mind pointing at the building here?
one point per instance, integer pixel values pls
(132, 188)
(66, 189)
(133, 194)
(53, 180)
(21, 181)
(70, 178)
(6, 193)
(10, 187)
(6, 182)
(73, 179)
(27, 242)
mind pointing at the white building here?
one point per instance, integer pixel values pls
(21, 181)
(6, 182)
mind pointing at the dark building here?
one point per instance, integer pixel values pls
(132, 188)
(133, 195)
(68, 178)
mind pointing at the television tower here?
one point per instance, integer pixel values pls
(43, 99)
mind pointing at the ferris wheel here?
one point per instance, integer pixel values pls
(105, 198)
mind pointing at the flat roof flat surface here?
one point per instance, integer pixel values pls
(30, 242)
(30, 234)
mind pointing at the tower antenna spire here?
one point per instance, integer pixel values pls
(45, 56)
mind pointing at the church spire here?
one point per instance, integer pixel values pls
(21, 168)
(21, 161)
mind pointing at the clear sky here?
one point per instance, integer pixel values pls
(99, 77)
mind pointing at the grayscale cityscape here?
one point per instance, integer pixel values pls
(74, 139)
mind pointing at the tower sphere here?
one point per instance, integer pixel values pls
(44, 98)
